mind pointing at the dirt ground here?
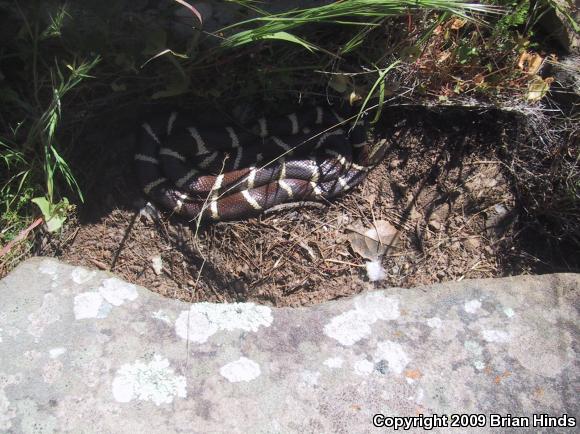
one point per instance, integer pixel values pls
(443, 186)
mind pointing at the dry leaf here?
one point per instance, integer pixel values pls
(478, 79)
(538, 87)
(443, 56)
(373, 242)
(530, 63)
(457, 23)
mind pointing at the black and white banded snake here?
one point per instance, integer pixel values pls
(232, 173)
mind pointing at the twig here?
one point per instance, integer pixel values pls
(352, 264)
(23, 234)
(293, 205)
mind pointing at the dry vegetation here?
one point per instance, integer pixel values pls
(481, 178)
(446, 187)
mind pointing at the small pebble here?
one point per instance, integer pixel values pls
(434, 225)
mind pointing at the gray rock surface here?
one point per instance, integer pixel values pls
(83, 351)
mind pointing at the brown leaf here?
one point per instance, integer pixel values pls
(530, 63)
(373, 242)
(457, 23)
(478, 79)
(443, 56)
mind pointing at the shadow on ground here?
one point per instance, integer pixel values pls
(445, 185)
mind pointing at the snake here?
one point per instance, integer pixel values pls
(234, 173)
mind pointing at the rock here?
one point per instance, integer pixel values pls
(394, 163)
(83, 351)
(499, 220)
(157, 264)
(434, 225)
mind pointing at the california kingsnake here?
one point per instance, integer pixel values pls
(233, 173)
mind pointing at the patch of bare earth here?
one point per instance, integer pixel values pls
(443, 186)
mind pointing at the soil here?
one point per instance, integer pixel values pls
(443, 185)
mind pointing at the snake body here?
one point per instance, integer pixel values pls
(234, 173)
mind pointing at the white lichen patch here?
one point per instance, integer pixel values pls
(476, 352)
(1, 335)
(310, 378)
(354, 325)
(509, 312)
(194, 326)
(90, 305)
(499, 336)
(161, 315)
(348, 327)
(44, 316)
(81, 275)
(434, 322)
(479, 365)
(155, 381)
(204, 319)
(98, 304)
(116, 292)
(472, 306)
(50, 268)
(393, 354)
(378, 307)
(363, 367)
(242, 369)
(473, 347)
(55, 353)
(333, 362)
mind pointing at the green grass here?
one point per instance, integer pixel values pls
(361, 13)
(31, 155)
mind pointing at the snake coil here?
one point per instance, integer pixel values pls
(234, 173)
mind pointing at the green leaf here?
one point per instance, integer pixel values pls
(43, 204)
(288, 37)
(54, 215)
(376, 84)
